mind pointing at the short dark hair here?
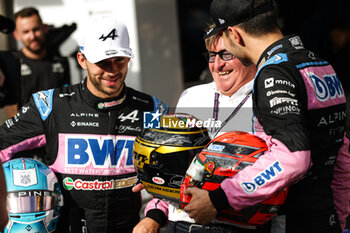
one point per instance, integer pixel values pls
(27, 12)
(261, 24)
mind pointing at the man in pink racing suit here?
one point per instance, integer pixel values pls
(299, 108)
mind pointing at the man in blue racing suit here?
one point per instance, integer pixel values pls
(88, 131)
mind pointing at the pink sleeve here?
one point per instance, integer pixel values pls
(4, 156)
(156, 203)
(341, 183)
(270, 173)
(28, 144)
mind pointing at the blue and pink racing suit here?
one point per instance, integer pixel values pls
(299, 108)
(89, 144)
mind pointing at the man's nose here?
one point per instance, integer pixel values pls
(218, 63)
(31, 34)
(112, 67)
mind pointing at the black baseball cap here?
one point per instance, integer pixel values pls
(227, 13)
(6, 25)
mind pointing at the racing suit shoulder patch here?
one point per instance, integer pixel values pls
(276, 59)
(43, 101)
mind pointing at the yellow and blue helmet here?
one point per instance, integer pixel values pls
(162, 155)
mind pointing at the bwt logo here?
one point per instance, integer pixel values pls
(151, 120)
(261, 179)
(102, 152)
(330, 87)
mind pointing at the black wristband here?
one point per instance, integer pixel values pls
(158, 216)
(219, 199)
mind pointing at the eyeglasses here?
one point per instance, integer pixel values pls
(223, 54)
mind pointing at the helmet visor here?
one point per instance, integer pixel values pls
(37, 201)
(176, 139)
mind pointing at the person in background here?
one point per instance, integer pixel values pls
(41, 68)
(226, 99)
(88, 131)
(230, 89)
(299, 110)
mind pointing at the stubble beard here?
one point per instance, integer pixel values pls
(99, 88)
(38, 50)
(238, 53)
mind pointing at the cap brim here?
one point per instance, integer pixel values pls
(113, 53)
(213, 31)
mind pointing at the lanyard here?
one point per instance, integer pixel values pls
(216, 106)
(234, 112)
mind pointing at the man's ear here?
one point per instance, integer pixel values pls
(81, 60)
(15, 35)
(236, 35)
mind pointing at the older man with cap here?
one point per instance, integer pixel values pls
(299, 110)
(88, 131)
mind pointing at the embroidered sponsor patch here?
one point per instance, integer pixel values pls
(262, 178)
(87, 185)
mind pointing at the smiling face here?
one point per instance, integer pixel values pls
(105, 79)
(230, 75)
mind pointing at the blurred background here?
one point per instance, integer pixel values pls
(166, 35)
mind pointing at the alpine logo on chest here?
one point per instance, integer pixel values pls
(132, 116)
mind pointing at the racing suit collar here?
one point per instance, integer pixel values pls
(101, 104)
(287, 43)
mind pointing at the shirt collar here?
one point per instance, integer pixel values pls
(243, 91)
(103, 104)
